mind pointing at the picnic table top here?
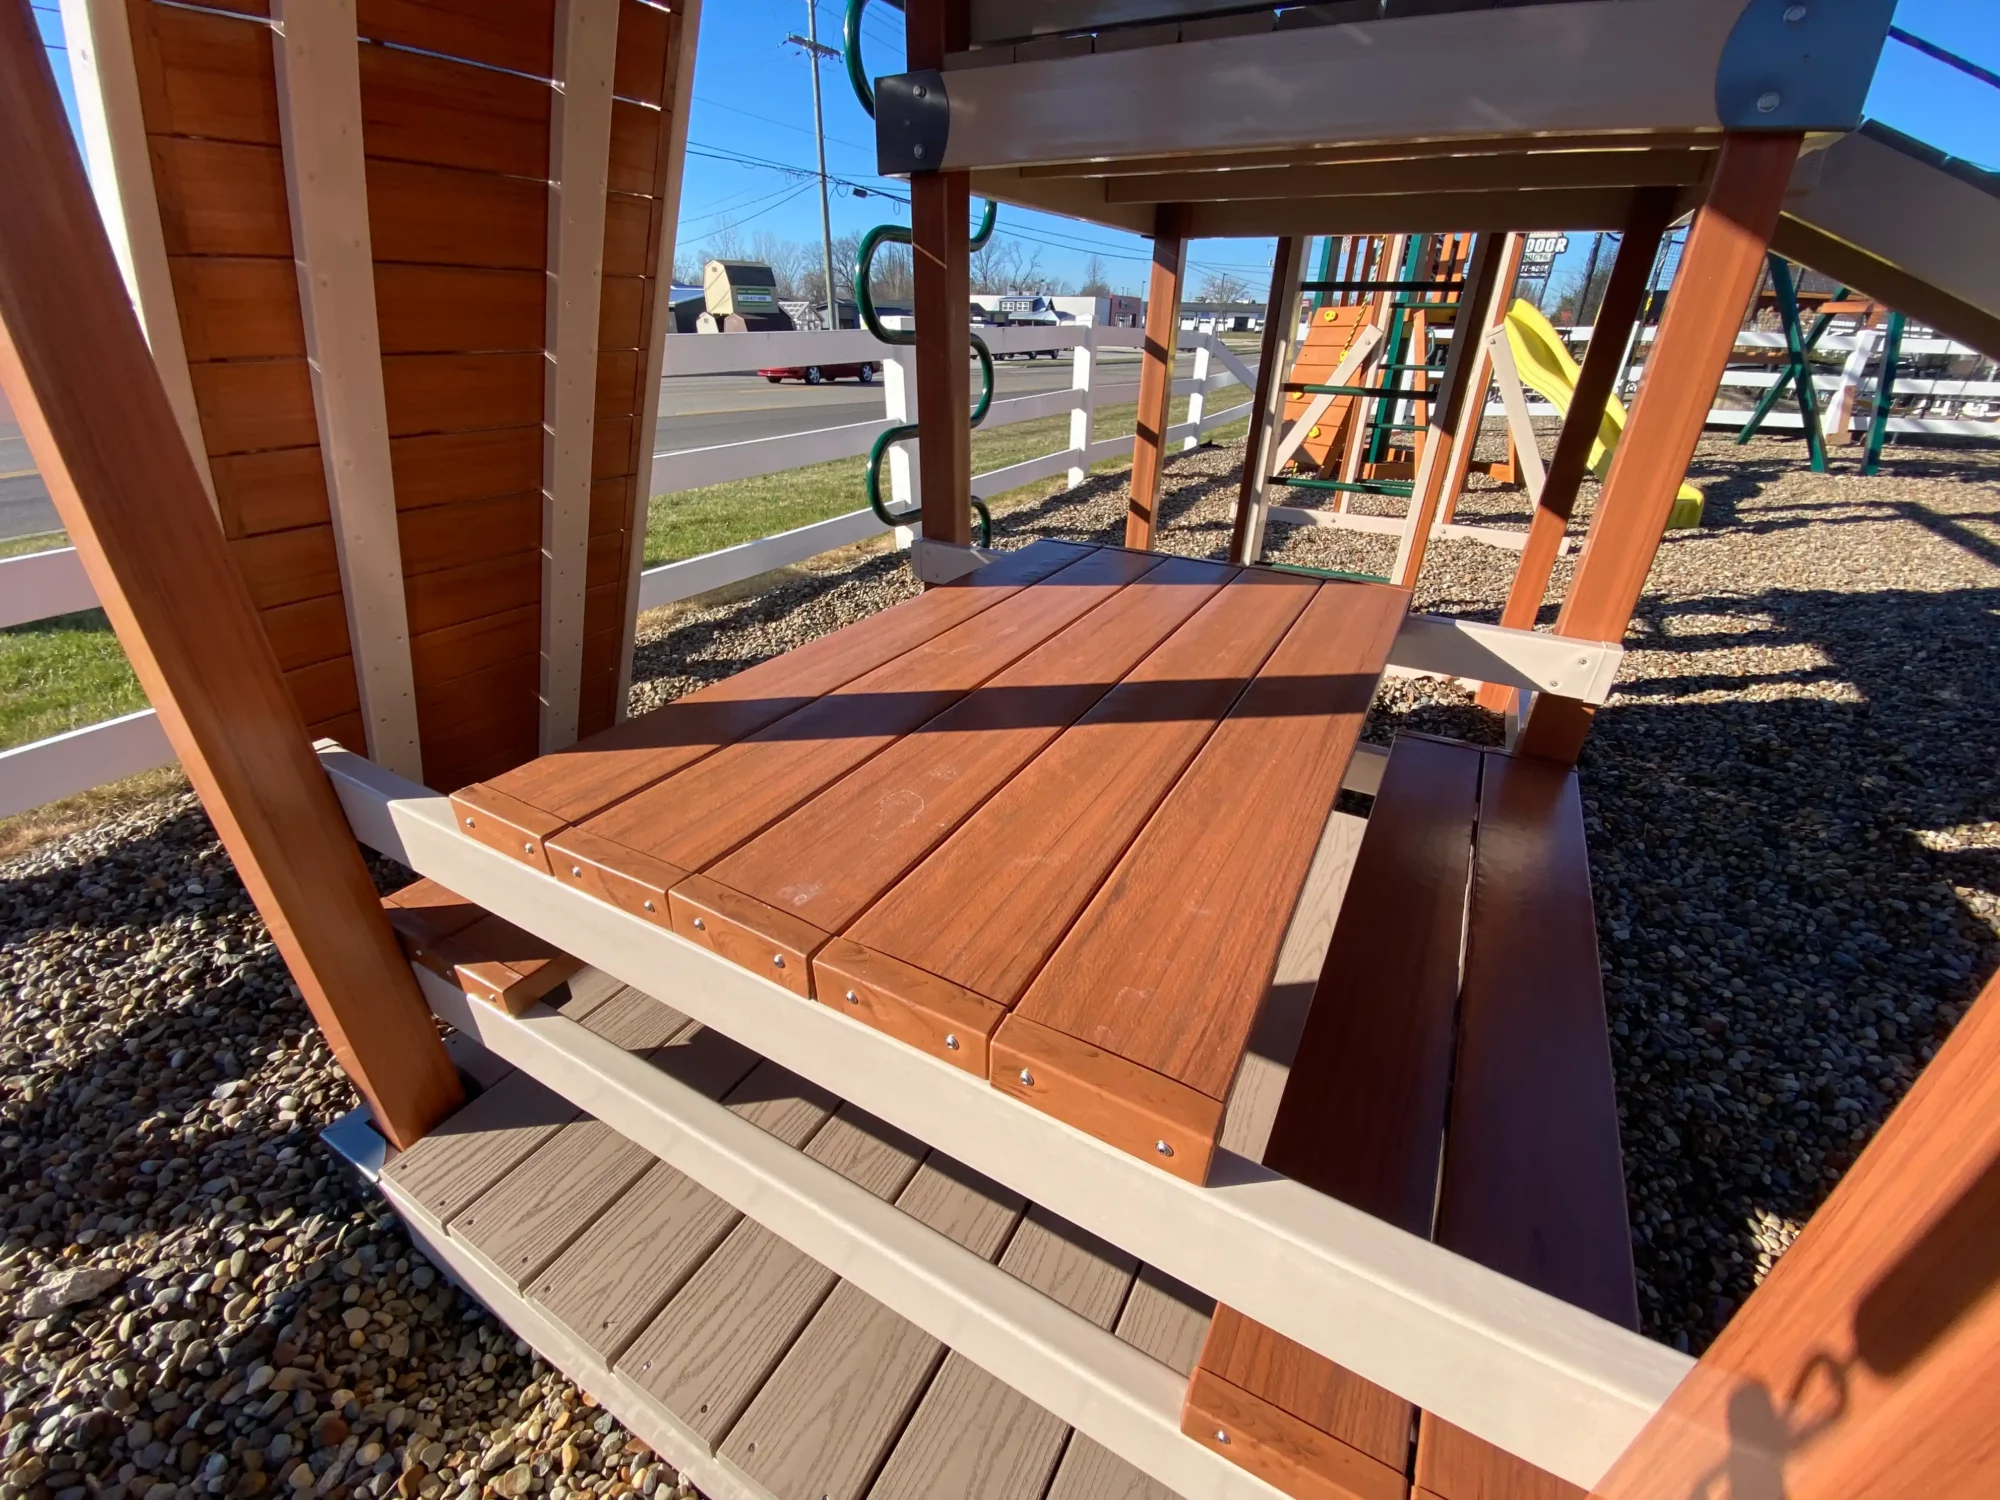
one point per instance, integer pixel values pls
(1048, 823)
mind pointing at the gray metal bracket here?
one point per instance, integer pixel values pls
(912, 123)
(1800, 64)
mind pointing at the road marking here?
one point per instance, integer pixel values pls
(20, 473)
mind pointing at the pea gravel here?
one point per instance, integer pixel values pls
(1796, 842)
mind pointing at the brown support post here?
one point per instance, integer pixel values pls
(76, 370)
(1454, 416)
(1646, 224)
(1482, 376)
(940, 236)
(1718, 272)
(1868, 1361)
(1267, 409)
(1156, 371)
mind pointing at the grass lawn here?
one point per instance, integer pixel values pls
(62, 673)
(18, 546)
(692, 522)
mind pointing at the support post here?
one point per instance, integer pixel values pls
(1885, 394)
(586, 49)
(319, 122)
(941, 235)
(1866, 1362)
(1839, 424)
(75, 368)
(1455, 416)
(1796, 372)
(1482, 377)
(1267, 410)
(1645, 226)
(1717, 275)
(1156, 371)
(1082, 416)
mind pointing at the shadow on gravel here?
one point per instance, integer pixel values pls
(1796, 897)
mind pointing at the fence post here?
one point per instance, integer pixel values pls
(1083, 416)
(1840, 410)
(1198, 401)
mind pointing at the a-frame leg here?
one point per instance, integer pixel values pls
(1156, 372)
(1718, 272)
(1281, 322)
(76, 369)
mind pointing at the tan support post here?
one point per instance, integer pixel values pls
(1867, 1362)
(941, 234)
(1646, 224)
(1454, 423)
(1482, 378)
(1156, 371)
(1281, 326)
(1718, 272)
(77, 372)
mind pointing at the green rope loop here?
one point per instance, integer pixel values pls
(985, 230)
(889, 436)
(985, 402)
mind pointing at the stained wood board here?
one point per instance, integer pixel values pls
(523, 806)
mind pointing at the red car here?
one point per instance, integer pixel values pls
(818, 374)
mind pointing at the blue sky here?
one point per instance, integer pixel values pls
(751, 138)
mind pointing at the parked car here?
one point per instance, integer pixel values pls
(819, 374)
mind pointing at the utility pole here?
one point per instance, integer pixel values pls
(814, 52)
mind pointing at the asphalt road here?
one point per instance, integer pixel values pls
(696, 411)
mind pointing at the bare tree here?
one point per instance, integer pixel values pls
(1005, 266)
(1223, 286)
(1094, 282)
(789, 261)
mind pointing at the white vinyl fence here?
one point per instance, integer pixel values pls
(45, 584)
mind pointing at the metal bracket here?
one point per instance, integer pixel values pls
(942, 562)
(912, 123)
(1800, 64)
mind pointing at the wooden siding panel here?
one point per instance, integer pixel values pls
(248, 406)
(443, 216)
(618, 374)
(238, 307)
(611, 448)
(517, 36)
(641, 69)
(446, 467)
(621, 312)
(308, 632)
(635, 148)
(628, 234)
(471, 591)
(221, 198)
(457, 309)
(325, 690)
(445, 536)
(474, 645)
(204, 75)
(277, 490)
(455, 392)
(283, 567)
(445, 113)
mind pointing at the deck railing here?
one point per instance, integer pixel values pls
(41, 585)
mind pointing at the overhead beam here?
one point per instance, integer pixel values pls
(586, 49)
(1479, 211)
(326, 185)
(1156, 373)
(75, 367)
(1334, 153)
(1677, 167)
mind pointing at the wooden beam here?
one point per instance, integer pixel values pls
(105, 72)
(1281, 328)
(1371, 151)
(326, 185)
(677, 101)
(941, 231)
(586, 46)
(75, 368)
(1482, 376)
(1455, 415)
(1156, 372)
(1867, 1361)
(1479, 209)
(1645, 225)
(1673, 167)
(1718, 273)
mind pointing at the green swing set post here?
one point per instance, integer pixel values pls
(1796, 374)
(1885, 390)
(864, 300)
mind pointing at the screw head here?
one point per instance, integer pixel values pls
(1163, 1148)
(951, 1041)
(917, 152)
(469, 823)
(921, 92)
(778, 960)
(1795, 14)
(1221, 1436)
(1027, 1078)
(699, 925)
(528, 848)
(852, 998)
(1768, 102)
(649, 906)
(576, 871)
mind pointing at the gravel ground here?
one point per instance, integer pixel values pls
(1796, 834)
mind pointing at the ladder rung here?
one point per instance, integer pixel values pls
(1294, 388)
(1357, 487)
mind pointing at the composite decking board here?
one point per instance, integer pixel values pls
(583, 992)
(524, 1221)
(473, 1149)
(987, 907)
(828, 1416)
(693, 818)
(609, 1284)
(975, 1436)
(1091, 1471)
(636, 1021)
(829, 859)
(710, 1350)
(1533, 1182)
(1167, 966)
(571, 785)
(1363, 1114)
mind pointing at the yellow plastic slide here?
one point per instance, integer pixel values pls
(1546, 368)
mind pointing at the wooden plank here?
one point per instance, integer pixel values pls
(527, 804)
(272, 491)
(419, 107)
(1363, 1114)
(645, 40)
(422, 915)
(441, 468)
(575, 151)
(447, 392)
(238, 307)
(220, 198)
(976, 1437)
(458, 309)
(828, 1416)
(444, 217)
(1645, 226)
(827, 862)
(1156, 371)
(709, 1352)
(205, 75)
(1719, 271)
(988, 906)
(1260, 443)
(250, 405)
(319, 111)
(694, 817)
(515, 38)
(1167, 967)
(473, 1149)
(614, 1279)
(88, 399)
